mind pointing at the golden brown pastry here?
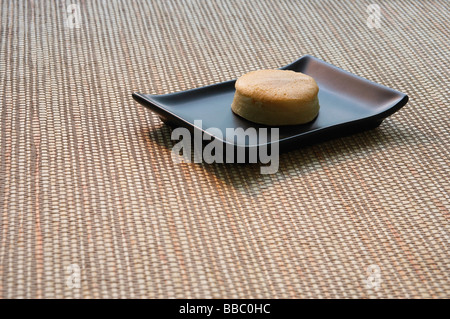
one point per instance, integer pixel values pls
(276, 97)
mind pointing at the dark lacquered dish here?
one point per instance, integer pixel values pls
(348, 103)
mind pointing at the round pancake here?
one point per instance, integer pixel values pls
(276, 97)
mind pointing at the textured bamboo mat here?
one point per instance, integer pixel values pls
(86, 177)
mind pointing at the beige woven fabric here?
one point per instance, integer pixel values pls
(86, 176)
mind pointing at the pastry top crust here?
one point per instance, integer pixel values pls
(277, 86)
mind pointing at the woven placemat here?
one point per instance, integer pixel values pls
(88, 189)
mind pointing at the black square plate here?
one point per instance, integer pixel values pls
(348, 103)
